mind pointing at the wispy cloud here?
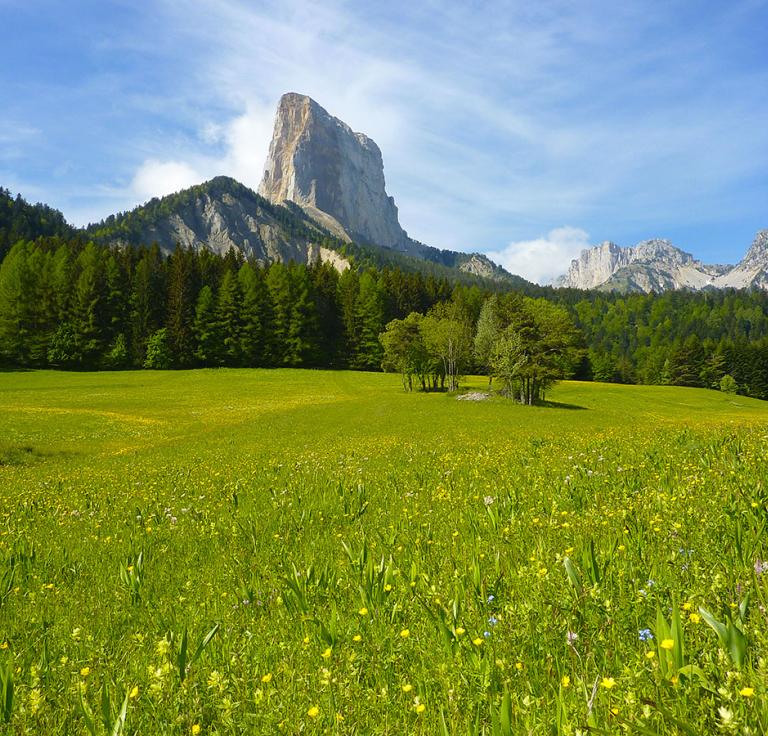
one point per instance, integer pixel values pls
(542, 260)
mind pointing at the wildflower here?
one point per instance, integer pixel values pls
(267, 678)
(196, 729)
(694, 618)
(493, 620)
(519, 666)
(565, 681)
(747, 692)
(85, 671)
(491, 598)
(4, 645)
(134, 692)
(407, 688)
(645, 634)
(420, 708)
(460, 631)
(357, 637)
(327, 653)
(477, 641)
(674, 680)
(668, 644)
(405, 633)
(571, 637)
(650, 654)
(760, 567)
(313, 712)
(608, 683)
(363, 611)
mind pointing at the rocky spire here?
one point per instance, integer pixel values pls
(334, 174)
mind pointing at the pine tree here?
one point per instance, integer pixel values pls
(16, 309)
(89, 314)
(369, 324)
(280, 296)
(205, 329)
(253, 315)
(228, 320)
(182, 288)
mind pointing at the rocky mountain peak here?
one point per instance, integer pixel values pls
(757, 255)
(333, 173)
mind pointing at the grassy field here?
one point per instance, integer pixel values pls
(244, 551)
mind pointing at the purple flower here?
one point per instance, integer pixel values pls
(645, 634)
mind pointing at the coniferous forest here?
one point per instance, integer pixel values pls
(68, 303)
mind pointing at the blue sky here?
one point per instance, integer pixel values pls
(524, 130)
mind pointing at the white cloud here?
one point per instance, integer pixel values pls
(544, 259)
(158, 178)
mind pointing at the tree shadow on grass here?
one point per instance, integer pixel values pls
(561, 405)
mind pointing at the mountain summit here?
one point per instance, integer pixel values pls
(657, 265)
(334, 174)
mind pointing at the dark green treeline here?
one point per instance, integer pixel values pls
(70, 304)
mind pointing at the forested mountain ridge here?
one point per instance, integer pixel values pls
(20, 220)
(222, 213)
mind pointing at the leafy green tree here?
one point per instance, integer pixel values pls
(64, 350)
(159, 356)
(487, 333)
(447, 334)
(540, 346)
(405, 351)
(117, 356)
(728, 384)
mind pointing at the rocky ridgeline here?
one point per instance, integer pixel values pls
(657, 265)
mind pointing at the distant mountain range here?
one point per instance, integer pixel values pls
(323, 198)
(657, 265)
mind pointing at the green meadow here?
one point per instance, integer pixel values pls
(296, 551)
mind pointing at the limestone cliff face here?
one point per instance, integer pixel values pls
(657, 265)
(333, 173)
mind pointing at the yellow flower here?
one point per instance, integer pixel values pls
(460, 631)
(478, 642)
(650, 654)
(85, 671)
(327, 653)
(747, 692)
(267, 677)
(668, 644)
(687, 606)
(674, 680)
(196, 729)
(420, 708)
(134, 693)
(313, 712)
(407, 688)
(519, 666)
(363, 611)
(405, 633)
(608, 683)
(694, 618)
(357, 637)
(565, 681)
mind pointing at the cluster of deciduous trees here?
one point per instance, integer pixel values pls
(526, 343)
